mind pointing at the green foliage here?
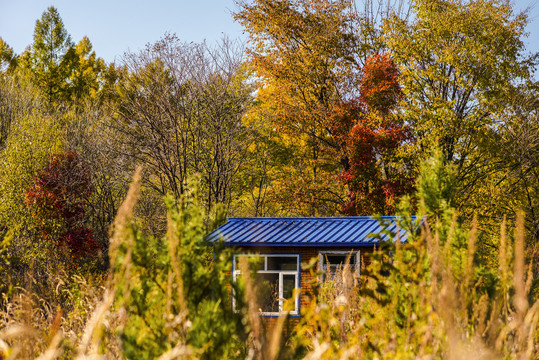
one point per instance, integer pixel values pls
(176, 293)
(31, 141)
(512, 183)
(436, 185)
(8, 59)
(87, 71)
(458, 61)
(18, 98)
(65, 73)
(267, 156)
(46, 59)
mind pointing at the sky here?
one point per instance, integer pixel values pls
(117, 26)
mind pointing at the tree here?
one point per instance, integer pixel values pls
(219, 149)
(56, 200)
(8, 59)
(458, 60)
(46, 58)
(86, 72)
(304, 53)
(89, 135)
(512, 185)
(180, 112)
(373, 135)
(519, 158)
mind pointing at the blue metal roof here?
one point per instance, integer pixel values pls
(303, 231)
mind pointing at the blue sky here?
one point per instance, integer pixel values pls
(115, 26)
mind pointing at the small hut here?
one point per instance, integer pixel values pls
(282, 244)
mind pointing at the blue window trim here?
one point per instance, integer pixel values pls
(292, 316)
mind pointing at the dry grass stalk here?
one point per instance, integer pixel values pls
(24, 334)
(274, 344)
(318, 350)
(520, 300)
(53, 351)
(121, 234)
(124, 216)
(504, 267)
(90, 340)
(469, 270)
(252, 306)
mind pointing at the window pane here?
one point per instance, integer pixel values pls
(282, 263)
(256, 263)
(289, 284)
(268, 292)
(333, 265)
(334, 259)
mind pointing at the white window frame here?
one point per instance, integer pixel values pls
(296, 273)
(322, 258)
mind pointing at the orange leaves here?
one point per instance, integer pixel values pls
(380, 88)
(371, 137)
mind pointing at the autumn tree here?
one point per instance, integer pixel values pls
(373, 136)
(56, 201)
(458, 60)
(309, 57)
(304, 53)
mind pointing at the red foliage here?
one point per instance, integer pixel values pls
(370, 138)
(344, 117)
(380, 88)
(374, 187)
(56, 200)
(80, 241)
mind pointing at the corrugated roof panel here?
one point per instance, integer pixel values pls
(345, 230)
(329, 230)
(303, 231)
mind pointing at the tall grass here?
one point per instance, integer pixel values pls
(425, 298)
